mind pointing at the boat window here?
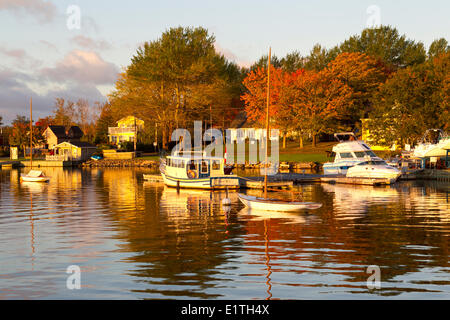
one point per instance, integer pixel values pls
(370, 153)
(204, 166)
(346, 155)
(216, 165)
(169, 162)
(363, 163)
(192, 165)
(365, 146)
(360, 154)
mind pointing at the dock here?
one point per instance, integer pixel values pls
(153, 178)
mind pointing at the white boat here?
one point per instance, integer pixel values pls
(267, 204)
(34, 176)
(199, 172)
(374, 169)
(434, 143)
(348, 153)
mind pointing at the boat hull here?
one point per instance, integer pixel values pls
(275, 205)
(230, 182)
(26, 178)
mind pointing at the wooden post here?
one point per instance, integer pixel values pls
(267, 125)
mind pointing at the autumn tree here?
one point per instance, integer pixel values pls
(20, 134)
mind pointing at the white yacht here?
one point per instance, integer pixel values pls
(434, 143)
(348, 152)
(199, 172)
(374, 169)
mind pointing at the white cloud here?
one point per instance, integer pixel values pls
(84, 67)
(89, 43)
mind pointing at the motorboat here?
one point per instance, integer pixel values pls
(195, 170)
(348, 152)
(374, 169)
(268, 204)
(434, 143)
(34, 176)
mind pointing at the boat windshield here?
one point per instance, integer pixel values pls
(373, 163)
(362, 154)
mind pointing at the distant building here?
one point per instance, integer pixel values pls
(126, 130)
(73, 150)
(55, 135)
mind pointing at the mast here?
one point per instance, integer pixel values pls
(267, 125)
(31, 133)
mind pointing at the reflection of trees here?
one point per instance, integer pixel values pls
(178, 240)
(393, 232)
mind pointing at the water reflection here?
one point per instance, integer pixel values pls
(135, 239)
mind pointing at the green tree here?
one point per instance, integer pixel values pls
(386, 43)
(292, 62)
(438, 47)
(20, 134)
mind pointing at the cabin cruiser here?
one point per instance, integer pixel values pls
(348, 152)
(195, 170)
(374, 169)
(434, 143)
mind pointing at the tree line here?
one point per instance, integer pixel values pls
(172, 81)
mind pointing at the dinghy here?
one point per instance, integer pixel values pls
(268, 204)
(34, 176)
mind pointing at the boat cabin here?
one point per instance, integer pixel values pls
(193, 168)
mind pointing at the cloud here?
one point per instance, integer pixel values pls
(15, 96)
(20, 57)
(84, 67)
(43, 11)
(89, 43)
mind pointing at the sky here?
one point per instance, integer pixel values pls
(75, 49)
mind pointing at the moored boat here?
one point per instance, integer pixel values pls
(199, 172)
(268, 204)
(434, 143)
(34, 176)
(348, 153)
(374, 169)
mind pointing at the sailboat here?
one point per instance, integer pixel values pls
(33, 175)
(271, 204)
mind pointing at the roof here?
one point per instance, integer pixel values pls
(59, 131)
(75, 132)
(79, 144)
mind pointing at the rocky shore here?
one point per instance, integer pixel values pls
(116, 163)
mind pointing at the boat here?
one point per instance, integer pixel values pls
(96, 157)
(34, 176)
(434, 143)
(197, 171)
(374, 169)
(348, 152)
(271, 204)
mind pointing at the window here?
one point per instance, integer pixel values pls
(360, 154)
(215, 165)
(370, 153)
(192, 165)
(346, 155)
(204, 166)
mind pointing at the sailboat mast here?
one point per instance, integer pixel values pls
(31, 133)
(267, 124)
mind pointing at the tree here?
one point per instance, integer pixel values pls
(438, 47)
(104, 121)
(386, 43)
(318, 58)
(364, 75)
(20, 135)
(292, 62)
(64, 112)
(318, 99)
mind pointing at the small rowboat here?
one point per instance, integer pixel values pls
(34, 176)
(267, 204)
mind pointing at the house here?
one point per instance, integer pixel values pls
(55, 135)
(74, 151)
(126, 130)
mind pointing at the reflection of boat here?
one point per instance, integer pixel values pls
(267, 204)
(374, 169)
(348, 153)
(199, 172)
(262, 215)
(434, 143)
(34, 176)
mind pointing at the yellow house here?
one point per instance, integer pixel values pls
(366, 137)
(74, 150)
(126, 130)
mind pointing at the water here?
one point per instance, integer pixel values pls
(138, 240)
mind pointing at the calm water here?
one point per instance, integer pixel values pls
(137, 240)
